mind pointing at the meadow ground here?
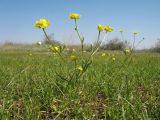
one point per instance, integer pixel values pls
(40, 85)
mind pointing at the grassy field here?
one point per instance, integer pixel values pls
(40, 85)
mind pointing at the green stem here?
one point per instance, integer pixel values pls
(82, 45)
(122, 37)
(46, 35)
(60, 55)
(51, 42)
(98, 46)
(75, 64)
(133, 47)
(80, 37)
(98, 39)
(139, 42)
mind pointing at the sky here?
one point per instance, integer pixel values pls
(17, 18)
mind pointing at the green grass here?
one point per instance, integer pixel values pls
(43, 86)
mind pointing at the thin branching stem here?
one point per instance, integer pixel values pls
(46, 35)
(98, 39)
(80, 36)
(134, 39)
(99, 45)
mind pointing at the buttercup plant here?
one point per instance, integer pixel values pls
(127, 50)
(134, 39)
(42, 24)
(78, 70)
(101, 28)
(121, 32)
(75, 17)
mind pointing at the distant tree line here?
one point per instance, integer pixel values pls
(115, 44)
(156, 48)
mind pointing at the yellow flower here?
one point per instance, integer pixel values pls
(100, 28)
(42, 23)
(103, 54)
(120, 31)
(113, 58)
(74, 16)
(73, 58)
(80, 68)
(108, 28)
(55, 49)
(135, 33)
(127, 51)
(30, 54)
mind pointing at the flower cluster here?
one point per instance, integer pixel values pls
(108, 28)
(104, 28)
(44, 23)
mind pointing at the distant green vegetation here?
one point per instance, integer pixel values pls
(35, 86)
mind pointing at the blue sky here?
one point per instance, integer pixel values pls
(19, 16)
